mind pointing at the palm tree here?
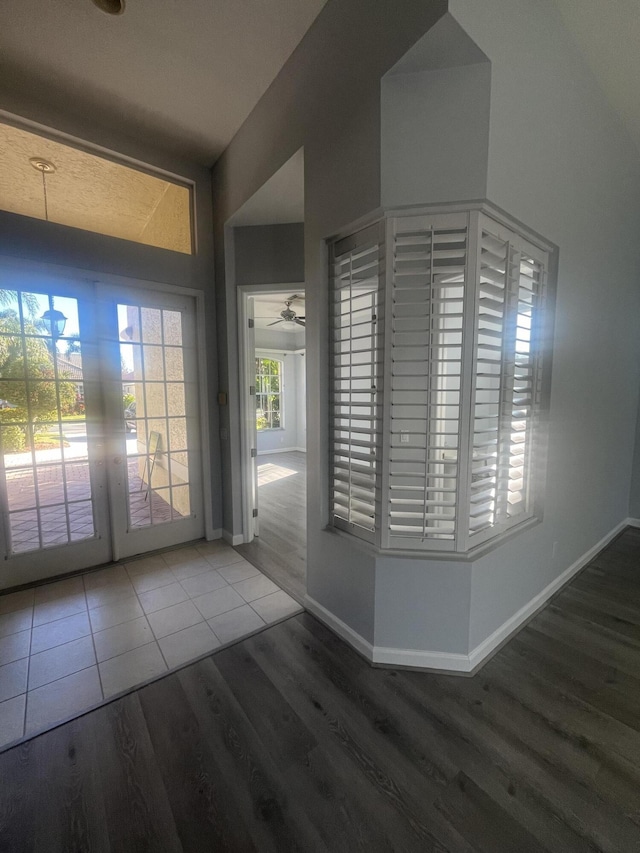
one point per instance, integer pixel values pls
(29, 300)
(72, 345)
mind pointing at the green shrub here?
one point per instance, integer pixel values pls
(12, 439)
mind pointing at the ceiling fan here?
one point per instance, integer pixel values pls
(289, 316)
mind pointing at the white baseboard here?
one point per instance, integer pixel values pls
(452, 661)
(282, 450)
(216, 533)
(339, 627)
(508, 628)
(418, 659)
(232, 539)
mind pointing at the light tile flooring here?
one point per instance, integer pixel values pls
(69, 645)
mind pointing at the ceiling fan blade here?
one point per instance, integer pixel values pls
(298, 320)
(275, 323)
(300, 317)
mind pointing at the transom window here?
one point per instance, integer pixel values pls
(48, 179)
(269, 394)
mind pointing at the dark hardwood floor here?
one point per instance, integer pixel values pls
(290, 741)
(281, 548)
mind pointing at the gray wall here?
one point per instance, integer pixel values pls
(327, 100)
(634, 497)
(560, 160)
(269, 254)
(46, 242)
(422, 605)
(435, 135)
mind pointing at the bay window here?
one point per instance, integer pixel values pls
(440, 324)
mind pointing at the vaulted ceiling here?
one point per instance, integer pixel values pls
(608, 35)
(186, 73)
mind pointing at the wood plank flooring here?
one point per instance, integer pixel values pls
(281, 549)
(290, 741)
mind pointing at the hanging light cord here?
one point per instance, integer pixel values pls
(44, 190)
(43, 166)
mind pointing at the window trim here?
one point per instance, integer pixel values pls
(280, 392)
(118, 158)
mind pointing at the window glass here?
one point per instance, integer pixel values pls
(268, 394)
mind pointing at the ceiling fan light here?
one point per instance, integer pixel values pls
(111, 7)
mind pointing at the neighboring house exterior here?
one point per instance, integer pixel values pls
(71, 368)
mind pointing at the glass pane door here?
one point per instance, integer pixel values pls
(156, 483)
(52, 484)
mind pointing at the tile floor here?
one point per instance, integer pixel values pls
(69, 645)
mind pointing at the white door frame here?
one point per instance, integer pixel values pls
(203, 384)
(247, 400)
(27, 268)
(128, 540)
(41, 563)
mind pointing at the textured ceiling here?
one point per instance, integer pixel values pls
(92, 193)
(187, 72)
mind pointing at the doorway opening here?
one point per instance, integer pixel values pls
(275, 440)
(266, 269)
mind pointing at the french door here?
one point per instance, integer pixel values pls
(150, 391)
(99, 437)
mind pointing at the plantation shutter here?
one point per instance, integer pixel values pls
(429, 271)
(449, 456)
(355, 431)
(507, 379)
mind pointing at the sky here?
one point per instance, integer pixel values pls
(69, 307)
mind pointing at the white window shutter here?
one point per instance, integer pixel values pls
(429, 256)
(357, 371)
(444, 460)
(507, 389)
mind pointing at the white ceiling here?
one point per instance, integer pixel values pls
(186, 72)
(267, 310)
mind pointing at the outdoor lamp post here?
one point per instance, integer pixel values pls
(55, 322)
